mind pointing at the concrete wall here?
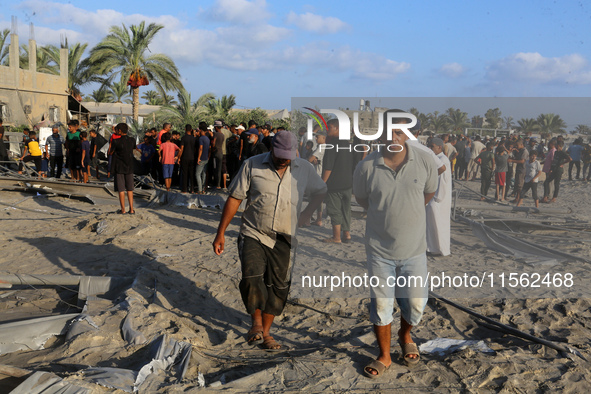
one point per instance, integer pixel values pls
(28, 89)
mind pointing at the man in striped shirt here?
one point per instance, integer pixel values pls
(55, 147)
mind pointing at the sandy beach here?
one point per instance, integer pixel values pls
(180, 288)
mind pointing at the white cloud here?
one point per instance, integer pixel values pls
(234, 47)
(533, 67)
(317, 23)
(452, 70)
(238, 11)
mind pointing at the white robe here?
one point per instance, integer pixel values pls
(438, 213)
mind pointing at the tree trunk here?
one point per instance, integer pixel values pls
(136, 103)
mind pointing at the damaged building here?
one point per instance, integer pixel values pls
(28, 96)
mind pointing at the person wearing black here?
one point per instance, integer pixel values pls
(96, 144)
(337, 166)
(460, 162)
(187, 160)
(556, 171)
(233, 151)
(267, 137)
(244, 145)
(3, 150)
(122, 166)
(217, 153)
(256, 147)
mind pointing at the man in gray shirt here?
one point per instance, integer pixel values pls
(269, 182)
(394, 185)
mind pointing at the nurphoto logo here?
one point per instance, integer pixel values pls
(345, 129)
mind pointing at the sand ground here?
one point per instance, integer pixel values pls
(189, 293)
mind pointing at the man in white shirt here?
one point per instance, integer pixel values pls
(438, 209)
(473, 165)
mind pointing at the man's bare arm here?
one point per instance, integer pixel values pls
(326, 175)
(314, 203)
(428, 197)
(441, 170)
(230, 209)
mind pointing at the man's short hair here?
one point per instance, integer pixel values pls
(122, 127)
(176, 133)
(560, 143)
(166, 124)
(165, 137)
(32, 134)
(188, 127)
(202, 126)
(251, 123)
(90, 131)
(83, 134)
(73, 122)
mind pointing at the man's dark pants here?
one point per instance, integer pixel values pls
(188, 175)
(266, 274)
(53, 162)
(217, 170)
(570, 169)
(338, 207)
(485, 180)
(553, 176)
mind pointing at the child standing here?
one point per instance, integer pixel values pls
(168, 158)
(533, 169)
(85, 146)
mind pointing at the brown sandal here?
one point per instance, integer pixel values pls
(271, 345)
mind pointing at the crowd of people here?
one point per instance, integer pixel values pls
(517, 164)
(406, 194)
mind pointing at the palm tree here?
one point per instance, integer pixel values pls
(79, 71)
(118, 91)
(582, 129)
(4, 46)
(101, 95)
(124, 52)
(186, 112)
(508, 122)
(551, 123)
(151, 97)
(437, 122)
(477, 121)
(220, 108)
(457, 119)
(43, 61)
(527, 125)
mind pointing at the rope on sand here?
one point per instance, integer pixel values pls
(567, 350)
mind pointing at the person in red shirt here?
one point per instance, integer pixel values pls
(168, 158)
(165, 129)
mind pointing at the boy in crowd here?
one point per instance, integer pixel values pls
(533, 169)
(85, 162)
(168, 158)
(35, 155)
(147, 151)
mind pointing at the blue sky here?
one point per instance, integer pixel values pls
(266, 52)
